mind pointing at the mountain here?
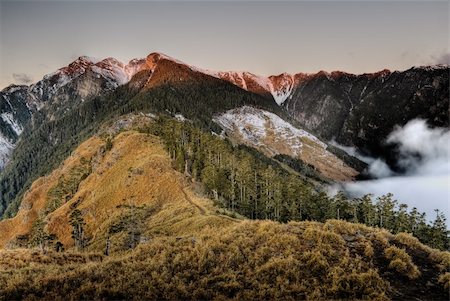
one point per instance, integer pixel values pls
(161, 84)
(118, 193)
(336, 105)
(357, 110)
(362, 110)
(160, 180)
(15, 111)
(273, 136)
(46, 120)
(61, 91)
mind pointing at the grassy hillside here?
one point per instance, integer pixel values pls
(125, 180)
(167, 241)
(243, 260)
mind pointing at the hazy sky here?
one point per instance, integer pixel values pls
(267, 37)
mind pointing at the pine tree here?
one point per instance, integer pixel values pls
(40, 236)
(438, 233)
(78, 223)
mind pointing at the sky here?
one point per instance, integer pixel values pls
(263, 37)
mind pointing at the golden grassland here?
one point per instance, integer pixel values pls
(189, 249)
(135, 172)
(247, 260)
(36, 198)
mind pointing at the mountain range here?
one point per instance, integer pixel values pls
(355, 110)
(175, 171)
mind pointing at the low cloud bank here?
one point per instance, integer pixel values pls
(425, 157)
(377, 168)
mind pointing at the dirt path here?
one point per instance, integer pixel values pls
(201, 209)
(188, 198)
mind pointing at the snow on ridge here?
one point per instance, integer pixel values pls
(254, 125)
(180, 117)
(284, 91)
(281, 96)
(6, 148)
(9, 119)
(115, 73)
(262, 81)
(205, 71)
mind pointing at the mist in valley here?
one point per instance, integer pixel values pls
(424, 157)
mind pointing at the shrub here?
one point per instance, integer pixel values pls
(401, 262)
(444, 279)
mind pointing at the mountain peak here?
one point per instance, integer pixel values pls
(153, 58)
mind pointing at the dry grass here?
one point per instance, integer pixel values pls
(36, 198)
(135, 172)
(401, 262)
(247, 260)
(11, 260)
(188, 250)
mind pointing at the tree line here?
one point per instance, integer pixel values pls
(245, 181)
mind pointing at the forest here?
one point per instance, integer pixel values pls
(248, 183)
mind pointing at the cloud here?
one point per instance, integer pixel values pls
(423, 150)
(377, 167)
(426, 193)
(22, 78)
(443, 59)
(424, 153)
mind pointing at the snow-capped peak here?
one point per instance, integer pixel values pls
(281, 87)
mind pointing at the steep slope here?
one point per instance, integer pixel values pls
(361, 110)
(68, 105)
(272, 135)
(356, 110)
(277, 87)
(168, 242)
(15, 111)
(104, 184)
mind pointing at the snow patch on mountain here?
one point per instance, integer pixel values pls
(262, 81)
(281, 87)
(255, 126)
(9, 119)
(6, 148)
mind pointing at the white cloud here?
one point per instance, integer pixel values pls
(424, 154)
(423, 150)
(377, 167)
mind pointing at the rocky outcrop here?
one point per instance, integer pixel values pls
(361, 110)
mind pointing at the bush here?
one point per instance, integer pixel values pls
(401, 262)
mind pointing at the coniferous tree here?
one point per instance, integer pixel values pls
(78, 224)
(40, 237)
